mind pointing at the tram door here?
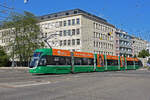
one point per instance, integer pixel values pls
(122, 62)
(100, 61)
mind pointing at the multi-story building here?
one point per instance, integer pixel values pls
(80, 31)
(5, 38)
(123, 44)
(148, 47)
(138, 45)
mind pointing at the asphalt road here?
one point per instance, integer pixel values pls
(120, 85)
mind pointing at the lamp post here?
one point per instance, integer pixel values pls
(13, 54)
(25, 1)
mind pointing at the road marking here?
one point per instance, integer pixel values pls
(33, 84)
(6, 86)
(76, 76)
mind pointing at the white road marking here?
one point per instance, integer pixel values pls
(77, 76)
(32, 84)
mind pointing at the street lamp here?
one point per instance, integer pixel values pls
(25, 1)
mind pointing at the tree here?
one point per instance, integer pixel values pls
(143, 54)
(134, 56)
(4, 59)
(25, 34)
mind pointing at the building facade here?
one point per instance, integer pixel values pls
(148, 47)
(138, 45)
(79, 31)
(123, 44)
(6, 37)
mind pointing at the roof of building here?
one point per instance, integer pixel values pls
(71, 13)
(123, 32)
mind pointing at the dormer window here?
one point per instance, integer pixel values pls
(75, 12)
(67, 13)
(55, 15)
(42, 18)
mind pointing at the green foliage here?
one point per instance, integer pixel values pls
(4, 59)
(25, 33)
(143, 54)
(134, 56)
(148, 61)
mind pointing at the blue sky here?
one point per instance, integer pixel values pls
(132, 16)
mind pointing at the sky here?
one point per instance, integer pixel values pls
(132, 16)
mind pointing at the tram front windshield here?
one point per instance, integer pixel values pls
(35, 59)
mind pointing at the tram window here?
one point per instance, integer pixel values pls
(68, 61)
(50, 60)
(77, 61)
(90, 61)
(62, 61)
(58, 60)
(112, 62)
(140, 63)
(42, 61)
(136, 63)
(130, 63)
(84, 61)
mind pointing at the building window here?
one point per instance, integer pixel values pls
(67, 13)
(60, 23)
(60, 33)
(56, 15)
(94, 34)
(78, 41)
(69, 32)
(69, 22)
(65, 33)
(65, 23)
(69, 42)
(42, 18)
(116, 41)
(45, 34)
(78, 21)
(94, 43)
(73, 21)
(61, 43)
(94, 25)
(99, 44)
(73, 41)
(78, 31)
(73, 31)
(75, 12)
(64, 42)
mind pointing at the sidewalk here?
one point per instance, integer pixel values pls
(143, 69)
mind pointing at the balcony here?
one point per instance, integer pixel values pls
(125, 45)
(125, 52)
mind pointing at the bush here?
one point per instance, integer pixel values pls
(4, 59)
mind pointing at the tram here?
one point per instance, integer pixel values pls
(59, 61)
